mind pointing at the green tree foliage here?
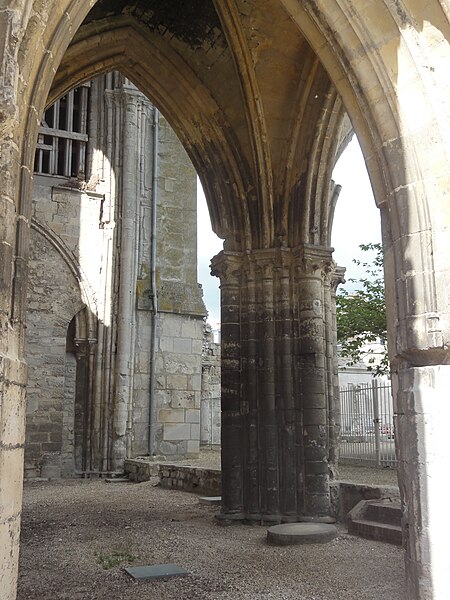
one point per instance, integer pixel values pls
(361, 316)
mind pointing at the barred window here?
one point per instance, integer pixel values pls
(62, 139)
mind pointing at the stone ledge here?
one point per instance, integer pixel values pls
(344, 495)
(139, 470)
(172, 476)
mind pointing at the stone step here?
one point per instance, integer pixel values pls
(381, 532)
(376, 520)
(384, 512)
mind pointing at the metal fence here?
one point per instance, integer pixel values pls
(367, 426)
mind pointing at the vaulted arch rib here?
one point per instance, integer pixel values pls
(256, 123)
(192, 111)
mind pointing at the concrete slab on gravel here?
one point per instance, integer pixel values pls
(301, 533)
(210, 499)
(156, 572)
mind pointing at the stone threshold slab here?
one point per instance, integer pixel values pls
(156, 572)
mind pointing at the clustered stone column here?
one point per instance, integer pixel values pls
(86, 444)
(276, 373)
(334, 406)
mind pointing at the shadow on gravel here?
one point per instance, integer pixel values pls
(69, 525)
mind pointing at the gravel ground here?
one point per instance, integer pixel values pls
(78, 534)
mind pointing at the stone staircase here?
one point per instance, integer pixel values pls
(376, 520)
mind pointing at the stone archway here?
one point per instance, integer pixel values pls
(54, 297)
(263, 124)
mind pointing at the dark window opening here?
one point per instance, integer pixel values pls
(63, 136)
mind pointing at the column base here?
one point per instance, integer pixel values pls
(225, 518)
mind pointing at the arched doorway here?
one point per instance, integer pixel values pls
(253, 142)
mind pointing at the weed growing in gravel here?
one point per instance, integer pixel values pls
(115, 558)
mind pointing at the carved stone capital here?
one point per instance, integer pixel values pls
(314, 261)
(84, 346)
(337, 277)
(307, 260)
(269, 260)
(228, 267)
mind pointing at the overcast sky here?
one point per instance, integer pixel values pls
(356, 221)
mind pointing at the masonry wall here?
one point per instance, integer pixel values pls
(53, 301)
(179, 368)
(65, 279)
(91, 314)
(210, 420)
(181, 312)
(177, 389)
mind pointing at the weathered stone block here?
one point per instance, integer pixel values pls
(315, 416)
(170, 326)
(183, 400)
(51, 447)
(50, 472)
(143, 361)
(186, 363)
(38, 437)
(195, 382)
(164, 398)
(195, 432)
(176, 381)
(183, 346)
(171, 415)
(192, 328)
(193, 447)
(177, 432)
(11, 468)
(160, 382)
(197, 346)
(13, 410)
(6, 265)
(166, 344)
(192, 416)
(171, 449)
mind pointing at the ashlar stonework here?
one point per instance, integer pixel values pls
(257, 95)
(90, 312)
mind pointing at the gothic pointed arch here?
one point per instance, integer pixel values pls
(388, 60)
